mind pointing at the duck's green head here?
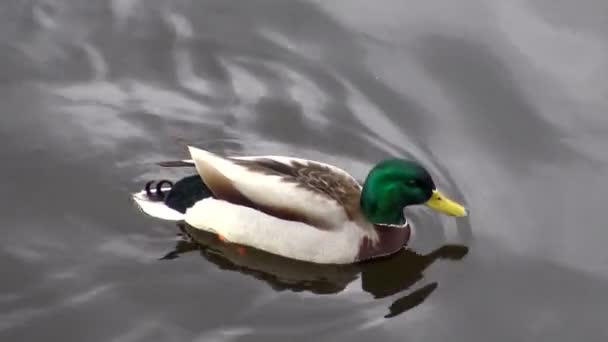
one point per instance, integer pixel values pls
(396, 183)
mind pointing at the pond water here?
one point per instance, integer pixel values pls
(505, 103)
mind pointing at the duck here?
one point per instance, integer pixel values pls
(297, 208)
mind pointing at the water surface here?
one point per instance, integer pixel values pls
(505, 103)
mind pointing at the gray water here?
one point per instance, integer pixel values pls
(505, 102)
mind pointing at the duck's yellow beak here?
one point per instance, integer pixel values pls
(445, 205)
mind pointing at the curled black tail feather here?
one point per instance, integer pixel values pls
(158, 195)
(181, 195)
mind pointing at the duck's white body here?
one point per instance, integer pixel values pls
(291, 239)
(309, 214)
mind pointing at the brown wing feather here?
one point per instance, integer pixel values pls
(314, 177)
(222, 188)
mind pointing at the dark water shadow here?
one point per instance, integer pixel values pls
(410, 301)
(382, 277)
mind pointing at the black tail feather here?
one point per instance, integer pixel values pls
(175, 163)
(181, 195)
(158, 194)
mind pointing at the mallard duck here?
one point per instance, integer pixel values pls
(297, 208)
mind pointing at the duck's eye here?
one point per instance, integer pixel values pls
(412, 182)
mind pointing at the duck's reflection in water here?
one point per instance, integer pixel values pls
(380, 277)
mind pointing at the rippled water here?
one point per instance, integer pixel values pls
(505, 102)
